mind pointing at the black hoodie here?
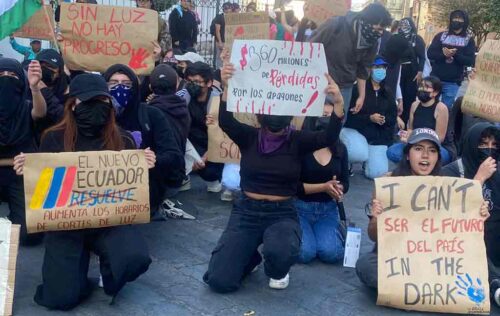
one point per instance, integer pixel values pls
(491, 188)
(155, 130)
(452, 69)
(176, 112)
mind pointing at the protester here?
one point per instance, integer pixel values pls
(422, 158)
(251, 7)
(183, 26)
(368, 133)
(164, 84)
(164, 39)
(265, 213)
(427, 112)
(450, 52)
(459, 124)
(56, 89)
(219, 31)
(479, 161)
(18, 115)
(88, 125)
(147, 125)
(286, 25)
(350, 46)
(412, 65)
(29, 53)
(184, 61)
(199, 77)
(236, 7)
(306, 27)
(324, 179)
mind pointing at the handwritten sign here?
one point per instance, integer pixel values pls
(9, 245)
(80, 190)
(431, 252)
(278, 78)
(321, 10)
(250, 25)
(483, 93)
(39, 26)
(98, 36)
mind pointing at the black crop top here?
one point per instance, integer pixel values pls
(276, 173)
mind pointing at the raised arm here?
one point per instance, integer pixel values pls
(34, 77)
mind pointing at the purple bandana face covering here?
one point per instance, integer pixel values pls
(269, 142)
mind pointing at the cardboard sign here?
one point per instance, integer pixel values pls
(431, 252)
(278, 78)
(39, 26)
(250, 25)
(79, 190)
(98, 36)
(321, 10)
(483, 93)
(9, 245)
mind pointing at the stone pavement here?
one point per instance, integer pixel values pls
(181, 250)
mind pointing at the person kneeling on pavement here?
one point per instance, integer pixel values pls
(88, 125)
(265, 213)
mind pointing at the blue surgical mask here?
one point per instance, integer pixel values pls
(378, 74)
(122, 94)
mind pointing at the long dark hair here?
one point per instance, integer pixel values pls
(111, 135)
(404, 168)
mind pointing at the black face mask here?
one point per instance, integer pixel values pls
(193, 89)
(456, 25)
(275, 123)
(368, 33)
(92, 116)
(484, 153)
(424, 96)
(180, 71)
(322, 123)
(11, 92)
(48, 76)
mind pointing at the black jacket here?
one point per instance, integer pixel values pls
(382, 103)
(345, 61)
(183, 29)
(452, 69)
(177, 114)
(155, 131)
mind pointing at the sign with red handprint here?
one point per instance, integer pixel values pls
(250, 25)
(94, 37)
(321, 10)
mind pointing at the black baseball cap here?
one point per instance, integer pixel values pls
(51, 57)
(420, 134)
(88, 86)
(164, 73)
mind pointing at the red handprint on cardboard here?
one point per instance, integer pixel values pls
(137, 60)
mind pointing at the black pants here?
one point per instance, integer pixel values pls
(408, 89)
(13, 194)
(212, 171)
(275, 225)
(123, 256)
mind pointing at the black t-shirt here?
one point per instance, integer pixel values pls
(313, 172)
(219, 19)
(198, 133)
(276, 173)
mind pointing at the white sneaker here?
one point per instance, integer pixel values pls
(186, 185)
(100, 284)
(496, 296)
(227, 196)
(168, 209)
(279, 284)
(214, 186)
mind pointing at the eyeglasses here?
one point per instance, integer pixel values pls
(126, 83)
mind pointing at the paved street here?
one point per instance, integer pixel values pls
(181, 250)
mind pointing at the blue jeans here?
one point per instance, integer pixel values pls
(358, 150)
(346, 95)
(395, 154)
(449, 93)
(321, 237)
